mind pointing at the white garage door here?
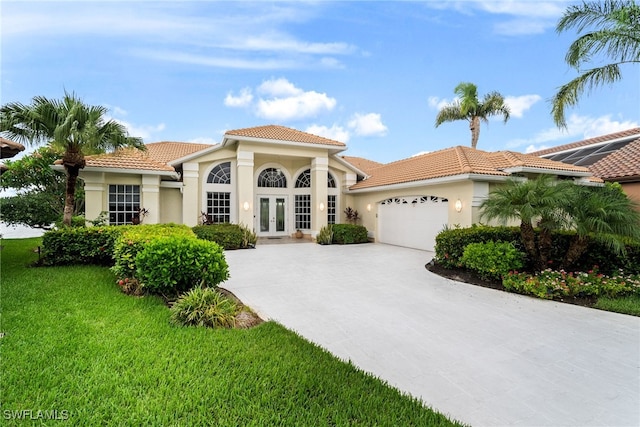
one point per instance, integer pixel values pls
(412, 222)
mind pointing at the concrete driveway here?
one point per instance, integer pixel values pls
(484, 357)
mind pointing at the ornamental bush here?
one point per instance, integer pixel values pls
(80, 245)
(227, 235)
(492, 260)
(344, 234)
(134, 238)
(204, 307)
(174, 264)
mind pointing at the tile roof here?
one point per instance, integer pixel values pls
(590, 141)
(281, 133)
(624, 163)
(457, 161)
(128, 158)
(365, 165)
(9, 148)
(167, 151)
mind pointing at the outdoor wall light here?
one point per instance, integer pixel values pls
(246, 206)
(369, 207)
(321, 206)
(458, 205)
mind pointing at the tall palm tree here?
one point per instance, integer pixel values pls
(604, 214)
(535, 203)
(615, 37)
(469, 107)
(68, 125)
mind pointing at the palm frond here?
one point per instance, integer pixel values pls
(569, 93)
(450, 113)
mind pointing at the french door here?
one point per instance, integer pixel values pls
(272, 215)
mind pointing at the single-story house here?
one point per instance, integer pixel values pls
(278, 180)
(614, 157)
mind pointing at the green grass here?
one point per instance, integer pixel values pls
(73, 342)
(625, 305)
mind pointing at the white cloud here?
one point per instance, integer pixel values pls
(242, 100)
(141, 131)
(578, 127)
(290, 103)
(519, 104)
(533, 148)
(420, 153)
(367, 125)
(438, 103)
(279, 87)
(335, 132)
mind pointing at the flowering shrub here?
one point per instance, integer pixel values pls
(551, 284)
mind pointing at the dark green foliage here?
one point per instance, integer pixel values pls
(80, 245)
(450, 246)
(204, 307)
(133, 240)
(344, 234)
(229, 236)
(174, 264)
(76, 221)
(492, 260)
(32, 210)
(450, 243)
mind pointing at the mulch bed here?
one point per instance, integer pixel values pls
(462, 275)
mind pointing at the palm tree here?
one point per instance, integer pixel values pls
(535, 203)
(615, 37)
(68, 125)
(469, 107)
(604, 214)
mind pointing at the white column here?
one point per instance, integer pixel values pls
(319, 170)
(151, 198)
(244, 188)
(190, 199)
(95, 197)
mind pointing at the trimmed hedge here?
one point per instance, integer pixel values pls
(345, 234)
(492, 260)
(450, 245)
(133, 239)
(80, 245)
(174, 264)
(229, 236)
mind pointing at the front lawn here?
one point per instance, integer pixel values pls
(71, 342)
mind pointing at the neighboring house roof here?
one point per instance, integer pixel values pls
(363, 164)
(462, 161)
(612, 157)
(622, 165)
(9, 148)
(282, 133)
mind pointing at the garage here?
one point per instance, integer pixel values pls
(412, 221)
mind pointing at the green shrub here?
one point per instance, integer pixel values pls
(80, 245)
(550, 284)
(204, 307)
(325, 236)
(249, 237)
(227, 235)
(174, 264)
(134, 238)
(344, 234)
(492, 260)
(76, 221)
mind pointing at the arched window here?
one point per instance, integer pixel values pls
(331, 182)
(272, 178)
(304, 179)
(221, 174)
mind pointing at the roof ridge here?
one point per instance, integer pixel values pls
(512, 157)
(463, 160)
(631, 132)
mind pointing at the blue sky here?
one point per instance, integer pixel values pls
(370, 74)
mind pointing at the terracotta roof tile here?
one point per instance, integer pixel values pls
(9, 148)
(281, 133)
(457, 161)
(365, 165)
(167, 151)
(624, 163)
(590, 141)
(128, 158)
